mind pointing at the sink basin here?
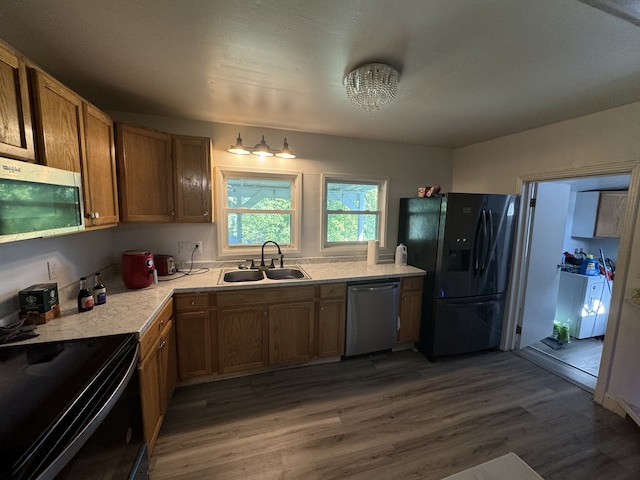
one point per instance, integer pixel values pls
(284, 273)
(243, 276)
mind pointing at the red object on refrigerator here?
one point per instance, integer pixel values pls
(138, 268)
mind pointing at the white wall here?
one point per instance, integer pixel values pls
(407, 166)
(583, 144)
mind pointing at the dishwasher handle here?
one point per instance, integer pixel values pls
(374, 288)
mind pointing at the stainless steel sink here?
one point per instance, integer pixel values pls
(285, 273)
(243, 276)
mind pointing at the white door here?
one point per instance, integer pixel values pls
(546, 238)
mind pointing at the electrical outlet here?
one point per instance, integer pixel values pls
(187, 248)
(52, 267)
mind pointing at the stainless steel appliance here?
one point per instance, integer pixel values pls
(464, 242)
(165, 264)
(372, 317)
(71, 410)
(38, 201)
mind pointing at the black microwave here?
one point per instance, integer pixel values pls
(38, 201)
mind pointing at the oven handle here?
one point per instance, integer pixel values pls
(76, 443)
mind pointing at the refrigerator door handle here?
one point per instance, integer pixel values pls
(488, 243)
(478, 243)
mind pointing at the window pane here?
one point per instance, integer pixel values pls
(352, 227)
(255, 229)
(258, 194)
(352, 197)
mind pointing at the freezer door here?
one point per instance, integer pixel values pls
(463, 326)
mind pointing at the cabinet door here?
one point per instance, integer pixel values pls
(290, 333)
(610, 217)
(192, 163)
(196, 354)
(16, 134)
(59, 123)
(410, 314)
(150, 396)
(167, 365)
(99, 169)
(145, 174)
(331, 317)
(242, 338)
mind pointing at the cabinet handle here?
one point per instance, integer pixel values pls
(322, 309)
(161, 324)
(193, 302)
(205, 213)
(172, 212)
(162, 344)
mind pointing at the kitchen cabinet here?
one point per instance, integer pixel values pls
(145, 174)
(99, 169)
(242, 334)
(331, 319)
(410, 309)
(291, 333)
(157, 372)
(179, 167)
(16, 131)
(269, 326)
(193, 180)
(59, 123)
(599, 214)
(197, 335)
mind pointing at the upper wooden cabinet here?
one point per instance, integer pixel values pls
(16, 133)
(99, 170)
(145, 174)
(192, 164)
(179, 168)
(59, 123)
(599, 214)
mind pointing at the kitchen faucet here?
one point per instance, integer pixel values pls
(262, 253)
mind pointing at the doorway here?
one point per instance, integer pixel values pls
(546, 275)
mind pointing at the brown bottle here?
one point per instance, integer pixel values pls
(85, 297)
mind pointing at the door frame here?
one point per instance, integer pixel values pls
(515, 298)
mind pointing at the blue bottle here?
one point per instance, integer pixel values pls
(590, 266)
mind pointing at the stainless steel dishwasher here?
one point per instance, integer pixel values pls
(372, 316)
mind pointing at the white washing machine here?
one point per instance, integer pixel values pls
(583, 303)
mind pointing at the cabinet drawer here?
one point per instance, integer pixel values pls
(265, 296)
(191, 301)
(412, 283)
(150, 336)
(333, 290)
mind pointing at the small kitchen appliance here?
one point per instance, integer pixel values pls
(165, 264)
(138, 269)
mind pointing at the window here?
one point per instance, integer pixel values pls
(256, 207)
(354, 211)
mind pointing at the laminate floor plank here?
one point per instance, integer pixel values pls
(392, 416)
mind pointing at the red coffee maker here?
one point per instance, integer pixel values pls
(138, 269)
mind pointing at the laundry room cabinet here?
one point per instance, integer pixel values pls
(599, 214)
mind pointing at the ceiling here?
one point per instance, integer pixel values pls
(470, 70)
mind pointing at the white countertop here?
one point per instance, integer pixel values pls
(131, 311)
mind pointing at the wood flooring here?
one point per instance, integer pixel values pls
(393, 416)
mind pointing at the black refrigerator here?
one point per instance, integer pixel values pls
(464, 241)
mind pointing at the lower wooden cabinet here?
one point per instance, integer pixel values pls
(331, 320)
(242, 339)
(291, 333)
(196, 335)
(410, 309)
(157, 372)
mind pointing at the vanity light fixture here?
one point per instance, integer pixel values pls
(261, 149)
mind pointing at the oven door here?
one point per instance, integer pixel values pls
(71, 409)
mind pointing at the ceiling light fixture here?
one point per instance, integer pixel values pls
(372, 85)
(261, 149)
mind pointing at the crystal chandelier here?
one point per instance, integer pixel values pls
(372, 85)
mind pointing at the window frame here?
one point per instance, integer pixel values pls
(222, 174)
(383, 193)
